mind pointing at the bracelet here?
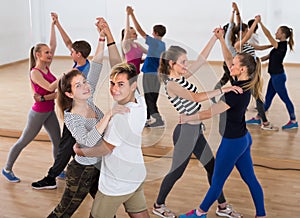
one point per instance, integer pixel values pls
(109, 44)
(101, 39)
(237, 14)
(42, 98)
(221, 92)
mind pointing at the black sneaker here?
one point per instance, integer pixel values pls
(156, 124)
(45, 183)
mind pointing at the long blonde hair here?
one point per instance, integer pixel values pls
(253, 65)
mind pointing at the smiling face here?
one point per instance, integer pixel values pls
(133, 34)
(180, 67)
(45, 54)
(120, 88)
(236, 68)
(80, 88)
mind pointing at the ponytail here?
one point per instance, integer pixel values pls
(289, 34)
(172, 54)
(253, 65)
(32, 55)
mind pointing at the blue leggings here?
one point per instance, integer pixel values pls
(235, 152)
(277, 85)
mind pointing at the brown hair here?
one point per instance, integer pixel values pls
(64, 85)
(83, 47)
(172, 54)
(289, 34)
(160, 30)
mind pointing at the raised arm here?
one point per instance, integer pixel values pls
(126, 42)
(64, 35)
(135, 22)
(239, 44)
(267, 33)
(226, 53)
(237, 13)
(98, 57)
(113, 52)
(202, 57)
(52, 43)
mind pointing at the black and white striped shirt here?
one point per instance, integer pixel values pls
(249, 49)
(84, 129)
(184, 106)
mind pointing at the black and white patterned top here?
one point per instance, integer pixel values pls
(249, 49)
(84, 129)
(183, 106)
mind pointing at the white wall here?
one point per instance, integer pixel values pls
(189, 23)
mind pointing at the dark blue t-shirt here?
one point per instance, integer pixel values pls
(276, 58)
(232, 122)
(155, 48)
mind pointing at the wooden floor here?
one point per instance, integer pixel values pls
(276, 155)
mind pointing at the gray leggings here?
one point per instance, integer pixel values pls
(34, 124)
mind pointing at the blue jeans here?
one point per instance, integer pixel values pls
(277, 85)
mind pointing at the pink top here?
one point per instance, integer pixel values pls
(48, 105)
(134, 56)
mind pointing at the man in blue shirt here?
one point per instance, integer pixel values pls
(151, 84)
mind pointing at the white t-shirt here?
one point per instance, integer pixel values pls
(254, 39)
(123, 170)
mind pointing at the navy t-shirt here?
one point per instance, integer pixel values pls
(276, 58)
(232, 122)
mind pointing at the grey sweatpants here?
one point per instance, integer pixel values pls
(34, 124)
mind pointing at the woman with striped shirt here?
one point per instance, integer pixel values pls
(188, 138)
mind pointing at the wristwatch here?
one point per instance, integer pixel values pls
(42, 98)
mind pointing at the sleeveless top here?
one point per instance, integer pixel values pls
(45, 106)
(134, 56)
(183, 106)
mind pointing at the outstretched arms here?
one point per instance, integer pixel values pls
(202, 57)
(271, 39)
(64, 35)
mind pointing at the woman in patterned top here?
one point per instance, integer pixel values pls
(188, 138)
(86, 123)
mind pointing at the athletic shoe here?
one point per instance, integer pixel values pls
(228, 212)
(290, 125)
(162, 211)
(10, 176)
(45, 183)
(269, 126)
(156, 124)
(192, 214)
(62, 175)
(254, 121)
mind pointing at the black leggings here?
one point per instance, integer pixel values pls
(187, 139)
